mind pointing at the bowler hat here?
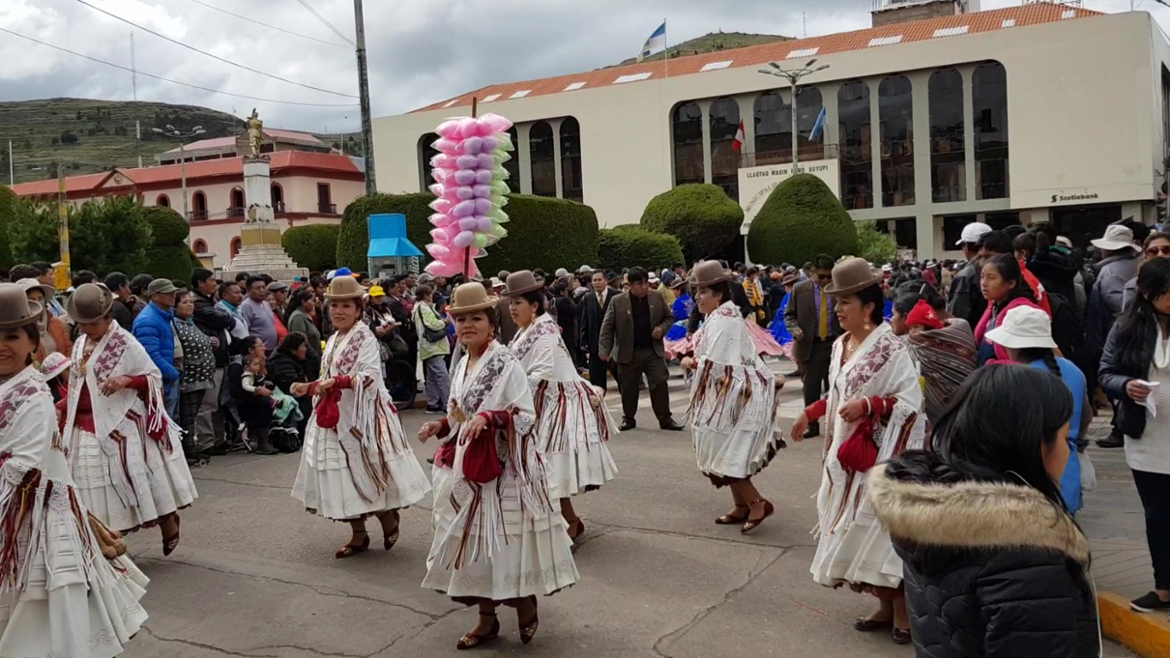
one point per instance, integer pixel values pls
(16, 309)
(469, 298)
(89, 303)
(852, 275)
(344, 287)
(521, 282)
(708, 273)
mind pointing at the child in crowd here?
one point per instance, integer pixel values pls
(254, 378)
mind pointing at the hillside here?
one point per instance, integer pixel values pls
(713, 42)
(88, 136)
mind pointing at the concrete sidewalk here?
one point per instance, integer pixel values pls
(1115, 524)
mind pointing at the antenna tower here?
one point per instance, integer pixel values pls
(134, 90)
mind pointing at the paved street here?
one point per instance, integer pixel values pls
(255, 575)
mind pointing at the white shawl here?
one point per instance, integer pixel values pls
(733, 387)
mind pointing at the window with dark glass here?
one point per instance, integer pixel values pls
(906, 233)
(953, 230)
(854, 138)
(808, 108)
(989, 106)
(199, 206)
(571, 186)
(948, 162)
(425, 153)
(512, 166)
(1081, 224)
(724, 160)
(998, 221)
(773, 142)
(687, 136)
(896, 114)
(542, 151)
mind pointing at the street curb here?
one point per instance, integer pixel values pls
(1145, 634)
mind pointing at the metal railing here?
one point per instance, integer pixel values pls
(277, 206)
(327, 208)
(198, 214)
(237, 211)
(784, 156)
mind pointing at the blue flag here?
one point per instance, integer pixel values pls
(655, 44)
(819, 126)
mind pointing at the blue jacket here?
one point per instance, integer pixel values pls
(153, 330)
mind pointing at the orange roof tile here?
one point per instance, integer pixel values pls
(750, 56)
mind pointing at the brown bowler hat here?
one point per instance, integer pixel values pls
(852, 275)
(469, 298)
(15, 308)
(345, 287)
(521, 282)
(90, 303)
(708, 273)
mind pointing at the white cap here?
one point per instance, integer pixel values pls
(1116, 237)
(561, 272)
(1064, 242)
(496, 283)
(972, 232)
(1023, 326)
(585, 269)
(653, 278)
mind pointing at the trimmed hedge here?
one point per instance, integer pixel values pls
(801, 219)
(7, 212)
(168, 257)
(543, 232)
(313, 247)
(703, 218)
(622, 247)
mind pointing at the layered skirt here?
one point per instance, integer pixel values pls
(132, 484)
(733, 422)
(574, 438)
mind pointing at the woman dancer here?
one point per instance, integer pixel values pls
(572, 421)
(356, 461)
(69, 589)
(733, 401)
(875, 407)
(125, 452)
(498, 539)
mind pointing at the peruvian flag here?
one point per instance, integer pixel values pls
(737, 145)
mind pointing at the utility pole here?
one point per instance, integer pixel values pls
(793, 76)
(134, 88)
(11, 169)
(364, 91)
(63, 221)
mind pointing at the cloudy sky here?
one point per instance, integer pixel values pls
(420, 51)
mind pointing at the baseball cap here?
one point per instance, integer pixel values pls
(277, 286)
(972, 232)
(161, 287)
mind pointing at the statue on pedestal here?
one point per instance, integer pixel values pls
(255, 133)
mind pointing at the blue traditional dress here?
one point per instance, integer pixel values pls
(777, 327)
(682, 310)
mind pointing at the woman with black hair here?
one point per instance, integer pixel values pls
(1135, 370)
(253, 408)
(302, 307)
(572, 421)
(943, 345)
(994, 564)
(875, 413)
(1004, 288)
(288, 366)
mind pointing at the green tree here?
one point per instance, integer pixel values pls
(313, 246)
(873, 245)
(703, 218)
(625, 247)
(800, 219)
(168, 256)
(104, 236)
(8, 202)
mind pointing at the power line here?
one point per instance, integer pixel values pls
(177, 82)
(321, 18)
(215, 57)
(272, 27)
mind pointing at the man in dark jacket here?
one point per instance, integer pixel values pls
(966, 300)
(1119, 264)
(124, 302)
(592, 312)
(811, 319)
(153, 330)
(216, 323)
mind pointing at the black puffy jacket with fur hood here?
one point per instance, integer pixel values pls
(991, 569)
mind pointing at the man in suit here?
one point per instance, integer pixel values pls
(811, 319)
(631, 335)
(593, 307)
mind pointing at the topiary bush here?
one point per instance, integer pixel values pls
(313, 246)
(703, 218)
(873, 245)
(543, 232)
(800, 219)
(621, 247)
(168, 257)
(7, 211)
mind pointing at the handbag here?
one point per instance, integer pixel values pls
(431, 335)
(859, 453)
(481, 461)
(328, 410)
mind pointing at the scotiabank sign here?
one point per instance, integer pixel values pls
(1077, 197)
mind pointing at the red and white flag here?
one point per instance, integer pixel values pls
(737, 145)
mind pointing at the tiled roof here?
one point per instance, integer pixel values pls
(753, 56)
(225, 142)
(195, 170)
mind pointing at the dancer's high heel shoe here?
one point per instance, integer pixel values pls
(471, 640)
(351, 549)
(528, 628)
(752, 524)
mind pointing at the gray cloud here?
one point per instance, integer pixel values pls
(420, 51)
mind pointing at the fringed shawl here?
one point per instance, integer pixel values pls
(946, 356)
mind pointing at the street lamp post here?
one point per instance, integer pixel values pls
(793, 76)
(172, 132)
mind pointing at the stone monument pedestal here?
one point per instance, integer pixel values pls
(261, 251)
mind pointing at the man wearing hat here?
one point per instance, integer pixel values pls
(152, 328)
(631, 334)
(966, 300)
(1119, 263)
(811, 319)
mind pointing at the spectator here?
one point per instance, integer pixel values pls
(216, 323)
(257, 313)
(1004, 288)
(300, 319)
(242, 280)
(593, 309)
(138, 288)
(254, 407)
(153, 330)
(82, 277)
(54, 333)
(124, 311)
(290, 365)
(965, 300)
(278, 300)
(400, 305)
(1002, 242)
(385, 326)
(230, 298)
(1118, 265)
(197, 364)
(48, 277)
(434, 347)
(1156, 245)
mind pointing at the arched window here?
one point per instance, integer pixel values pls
(235, 247)
(163, 200)
(896, 114)
(853, 126)
(948, 162)
(687, 133)
(808, 108)
(989, 105)
(542, 154)
(773, 119)
(425, 153)
(724, 122)
(237, 203)
(571, 184)
(512, 165)
(199, 247)
(277, 198)
(198, 205)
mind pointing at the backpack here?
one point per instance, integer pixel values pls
(1067, 329)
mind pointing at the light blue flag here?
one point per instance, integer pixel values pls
(819, 126)
(655, 44)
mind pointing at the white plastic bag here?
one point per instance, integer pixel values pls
(1088, 473)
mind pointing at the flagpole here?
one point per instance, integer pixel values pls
(666, 48)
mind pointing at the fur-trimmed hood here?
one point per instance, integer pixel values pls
(972, 515)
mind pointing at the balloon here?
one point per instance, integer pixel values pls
(483, 224)
(481, 241)
(483, 206)
(467, 177)
(464, 239)
(483, 160)
(463, 209)
(444, 145)
(446, 128)
(439, 219)
(464, 193)
(436, 189)
(473, 145)
(468, 224)
(482, 191)
(481, 176)
(468, 162)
